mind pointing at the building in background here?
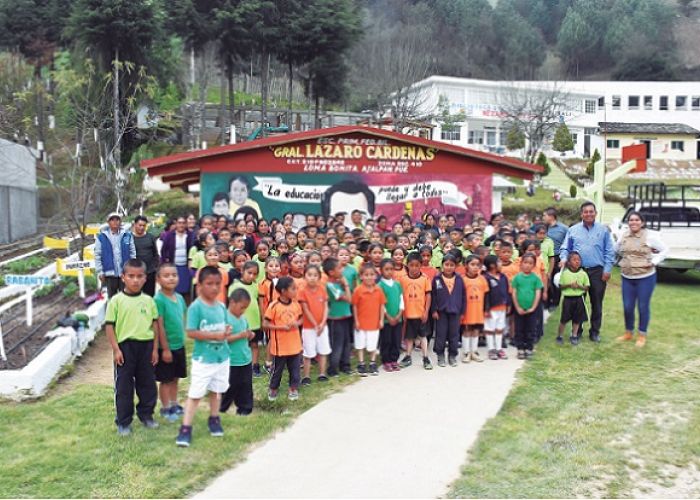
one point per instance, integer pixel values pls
(586, 105)
(664, 141)
(18, 191)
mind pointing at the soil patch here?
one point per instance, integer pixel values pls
(93, 367)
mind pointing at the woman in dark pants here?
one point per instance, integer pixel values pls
(641, 251)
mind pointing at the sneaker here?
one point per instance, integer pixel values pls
(528, 354)
(272, 394)
(123, 430)
(305, 381)
(627, 336)
(493, 355)
(406, 361)
(395, 367)
(184, 437)
(560, 340)
(476, 357)
(361, 370)
(179, 410)
(268, 368)
(293, 394)
(574, 340)
(349, 371)
(502, 354)
(441, 361)
(387, 367)
(373, 369)
(641, 341)
(323, 378)
(169, 414)
(427, 365)
(466, 358)
(256, 371)
(521, 354)
(452, 360)
(215, 428)
(149, 423)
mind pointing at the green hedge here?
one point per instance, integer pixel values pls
(173, 203)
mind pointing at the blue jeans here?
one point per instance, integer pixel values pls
(637, 293)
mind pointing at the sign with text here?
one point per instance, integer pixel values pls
(80, 264)
(27, 280)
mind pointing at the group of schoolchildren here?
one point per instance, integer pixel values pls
(375, 294)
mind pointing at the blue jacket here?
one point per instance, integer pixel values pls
(445, 302)
(105, 261)
(498, 291)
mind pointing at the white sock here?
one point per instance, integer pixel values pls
(465, 345)
(490, 343)
(473, 343)
(499, 341)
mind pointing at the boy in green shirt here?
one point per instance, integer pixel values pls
(240, 375)
(527, 291)
(390, 334)
(130, 325)
(249, 282)
(340, 321)
(573, 283)
(172, 358)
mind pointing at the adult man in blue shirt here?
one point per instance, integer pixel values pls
(113, 247)
(593, 241)
(556, 231)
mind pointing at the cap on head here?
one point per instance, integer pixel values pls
(114, 215)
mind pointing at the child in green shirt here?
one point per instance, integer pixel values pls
(240, 375)
(131, 321)
(390, 334)
(249, 282)
(527, 291)
(172, 361)
(574, 283)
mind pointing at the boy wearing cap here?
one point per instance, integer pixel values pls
(113, 247)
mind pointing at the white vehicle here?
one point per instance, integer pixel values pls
(673, 211)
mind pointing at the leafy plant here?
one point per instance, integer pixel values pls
(562, 139)
(590, 168)
(573, 190)
(542, 161)
(45, 290)
(70, 289)
(24, 266)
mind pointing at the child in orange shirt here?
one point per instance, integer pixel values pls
(477, 289)
(497, 305)
(510, 269)
(398, 255)
(211, 255)
(368, 309)
(416, 288)
(266, 295)
(426, 253)
(314, 334)
(283, 318)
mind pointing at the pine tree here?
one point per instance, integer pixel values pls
(515, 139)
(562, 139)
(542, 162)
(590, 168)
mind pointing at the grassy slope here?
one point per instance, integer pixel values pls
(588, 421)
(66, 446)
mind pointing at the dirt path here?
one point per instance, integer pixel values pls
(93, 367)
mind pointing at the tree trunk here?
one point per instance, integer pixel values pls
(38, 88)
(263, 86)
(116, 152)
(317, 116)
(223, 117)
(290, 95)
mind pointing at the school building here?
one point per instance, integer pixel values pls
(341, 169)
(654, 111)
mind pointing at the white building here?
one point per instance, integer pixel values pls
(587, 105)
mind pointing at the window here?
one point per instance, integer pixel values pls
(490, 136)
(476, 137)
(590, 106)
(695, 103)
(663, 103)
(450, 133)
(574, 139)
(678, 145)
(648, 103)
(681, 101)
(590, 131)
(601, 102)
(616, 102)
(633, 102)
(613, 144)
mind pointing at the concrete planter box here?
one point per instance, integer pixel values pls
(32, 381)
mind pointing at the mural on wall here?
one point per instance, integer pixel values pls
(331, 175)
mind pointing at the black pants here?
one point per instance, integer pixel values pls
(114, 285)
(553, 291)
(447, 332)
(525, 330)
(596, 294)
(149, 288)
(340, 333)
(390, 343)
(136, 373)
(293, 365)
(240, 390)
(539, 318)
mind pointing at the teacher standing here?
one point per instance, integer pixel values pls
(593, 242)
(641, 251)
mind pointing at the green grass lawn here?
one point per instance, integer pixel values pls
(66, 445)
(604, 420)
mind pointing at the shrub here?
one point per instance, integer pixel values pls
(70, 289)
(173, 203)
(45, 290)
(24, 266)
(590, 168)
(542, 161)
(573, 190)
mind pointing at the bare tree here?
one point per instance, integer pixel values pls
(536, 109)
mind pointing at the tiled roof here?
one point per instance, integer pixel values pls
(646, 128)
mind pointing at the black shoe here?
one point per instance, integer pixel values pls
(441, 361)
(184, 437)
(349, 371)
(521, 354)
(361, 370)
(427, 365)
(574, 340)
(560, 340)
(215, 428)
(452, 360)
(406, 361)
(306, 381)
(256, 371)
(373, 369)
(149, 423)
(594, 337)
(322, 378)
